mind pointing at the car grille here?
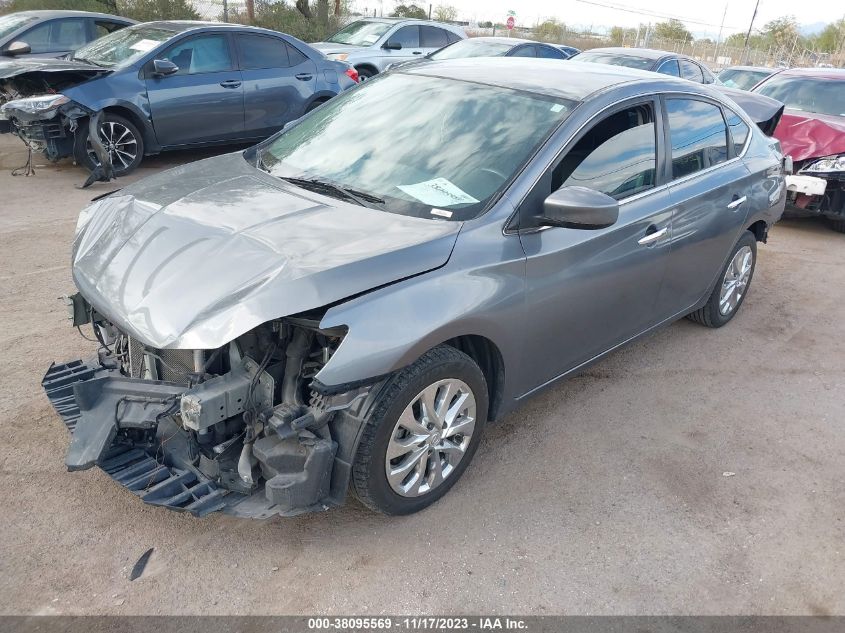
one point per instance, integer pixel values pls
(177, 362)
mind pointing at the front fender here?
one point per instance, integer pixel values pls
(481, 291)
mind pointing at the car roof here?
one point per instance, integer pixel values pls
(643, 53)
(502, 40)
(821, 73)
(573, 80)
(414, 20)
(753, 69)
(47, 14)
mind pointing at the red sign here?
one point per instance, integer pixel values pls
(510, 23)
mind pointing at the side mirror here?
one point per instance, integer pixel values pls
(164, 67)
(393, 46)
(579, 208)
(18, 48)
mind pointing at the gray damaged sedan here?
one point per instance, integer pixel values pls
(346, 305)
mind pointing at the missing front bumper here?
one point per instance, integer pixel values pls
(302, 476)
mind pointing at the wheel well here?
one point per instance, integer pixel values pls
(760, 230)
(484, 352)
(369, 67)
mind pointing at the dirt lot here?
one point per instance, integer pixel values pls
(607, 494)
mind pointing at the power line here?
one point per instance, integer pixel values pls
(652, 14)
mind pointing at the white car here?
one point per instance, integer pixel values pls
(373, 44)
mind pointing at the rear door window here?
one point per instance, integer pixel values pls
(547, 52)
(261, 51)
(524, 51)
(432, 37)
(670, 67)
(691, 71)
(739, 131)
(104, 27)
(699, 137)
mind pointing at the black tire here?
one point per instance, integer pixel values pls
(369, 479)
(84, 157)
(365, 73)
(838, 225)
(711, 315)
(315, 105)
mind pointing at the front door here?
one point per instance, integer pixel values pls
(408, 40)
(203, 102)
(590, 290)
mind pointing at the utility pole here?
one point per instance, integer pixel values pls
(225, 11)
(719, 38)
(748, 35)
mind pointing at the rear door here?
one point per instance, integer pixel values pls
(279, 80)
(204, 101)
(709, 187)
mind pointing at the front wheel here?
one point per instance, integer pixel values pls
(122, 140)
(730, 292)
(422, 433)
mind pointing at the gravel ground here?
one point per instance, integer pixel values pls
(608, 494)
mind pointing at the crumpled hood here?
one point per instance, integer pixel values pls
(328, 48)
(804, 135)
(14, 68)
(195, 256)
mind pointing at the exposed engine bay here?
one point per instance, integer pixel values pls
(243, 428)
(33, 109)
(818, 188)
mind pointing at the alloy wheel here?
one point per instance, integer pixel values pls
(120, 143)
(430, 438)
(736, 280)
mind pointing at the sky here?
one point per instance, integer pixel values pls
(703, 18)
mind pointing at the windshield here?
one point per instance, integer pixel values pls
(742, 79)
(447, 160)
(123, 47)
(473, 48)
(615, 59)
(11, 23)
(360, 33)
(822, 96)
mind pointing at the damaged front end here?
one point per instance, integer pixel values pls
(244, 429)
(33, 108)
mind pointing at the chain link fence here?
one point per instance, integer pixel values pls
(715, 55)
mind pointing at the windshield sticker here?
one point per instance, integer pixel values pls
(370, 39)
(557, 107)
(438, 193)
(144, 45)
(443, 213)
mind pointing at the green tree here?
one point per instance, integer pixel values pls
(149, 10)
(619, 35)
(831, 37)
(409, 11)
(550, 31)
(781, 32)
(445, 13)
(672, 30)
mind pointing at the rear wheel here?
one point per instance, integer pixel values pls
(422, 433)
(730, 292)
(122, 140)
(838, 225)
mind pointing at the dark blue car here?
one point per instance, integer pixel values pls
(166, 85)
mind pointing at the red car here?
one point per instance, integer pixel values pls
(812, 132)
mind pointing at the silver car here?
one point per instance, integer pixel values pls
(329, 310)
(373, 44)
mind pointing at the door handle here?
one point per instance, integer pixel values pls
(737, 202)
(417, 53)
(304, 76)
(651, 238)
(231, 83)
